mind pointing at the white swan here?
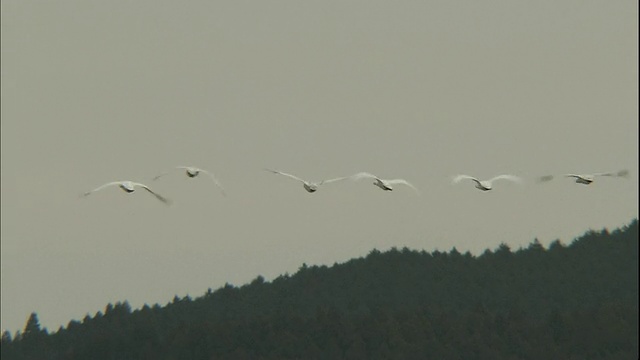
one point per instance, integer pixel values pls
(192, 172)
(382, 183)
(486, 185)
(309, 186)
(129, 187)
(587, 179)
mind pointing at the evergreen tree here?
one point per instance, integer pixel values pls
(32, 327)
(6, 337)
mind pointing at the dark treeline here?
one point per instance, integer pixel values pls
(562, 302)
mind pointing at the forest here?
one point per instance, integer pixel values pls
(565, 301)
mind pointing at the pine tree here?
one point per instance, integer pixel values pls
(6, 337)
(32, 328)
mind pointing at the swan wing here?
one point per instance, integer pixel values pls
(182, 167)
(403, 182)
(507, 177)
(621, 173)
(363, 175)
(102, 187)
(333, 180)
(459, 178)
(215, 181)
(285, 174)
(161, 175)
(168, 172)
(158, 196)
(177, 167)
(604, 174)
(544, 178)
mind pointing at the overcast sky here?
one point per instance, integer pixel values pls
(97, 91)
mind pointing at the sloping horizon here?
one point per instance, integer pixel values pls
(94, 92)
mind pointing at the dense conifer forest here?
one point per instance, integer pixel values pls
(575, 301)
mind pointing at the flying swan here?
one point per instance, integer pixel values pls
(586, 179)
(486, 185)
(192, 172)
(382, 183)
(129, 187)
(309, 186)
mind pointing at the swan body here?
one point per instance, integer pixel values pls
(309, 186)
(129, 187)
(582, 179)
(192, 171)
(386, 185)
(486, 185)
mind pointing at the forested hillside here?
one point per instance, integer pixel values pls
(573, 301)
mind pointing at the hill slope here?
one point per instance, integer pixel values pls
(570, 301)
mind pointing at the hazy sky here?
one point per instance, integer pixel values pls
(97, 91)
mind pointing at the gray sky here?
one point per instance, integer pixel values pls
(96, 91)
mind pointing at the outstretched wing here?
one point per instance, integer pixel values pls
(507, 177)
(404, 182)
(215, 181)
(158, 196)
(285, 174)
(333, 180)
(544, 178)
(573, 176)
(101, 187)
(168, 172)
(188, 168)
(621, 173)
(161, 175)
(604, 174)
(459, 178)
(363, 175)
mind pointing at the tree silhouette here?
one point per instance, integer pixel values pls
(568, 302)
(32, 327)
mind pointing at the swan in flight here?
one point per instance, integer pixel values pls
(486, 185)
(309, 186)
(192, 172)
(382, 183)
(586, 179)
(129, 187)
